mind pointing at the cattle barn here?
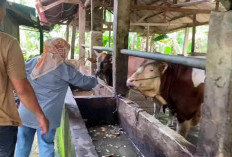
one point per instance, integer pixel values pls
(110, 105)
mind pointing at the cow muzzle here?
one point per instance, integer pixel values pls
(130, 83)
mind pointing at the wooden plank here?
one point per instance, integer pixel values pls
(217, 5)
(165, 8)
(96, 30)
(147, 40)
(193, 35)
(216, 123)
(121, 32)
(186, 42)
(158, 24)
(227, 4)
(73, 41)
(67, 33)
(82, 24)
(188, 25)
(191, 3)
(175, 1)
(41, 40)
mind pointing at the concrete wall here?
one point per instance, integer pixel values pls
(73, 134)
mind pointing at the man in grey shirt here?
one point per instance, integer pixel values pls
(50, 77)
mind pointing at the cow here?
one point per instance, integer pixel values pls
(179, 87)
(104, 71)
(104, 66)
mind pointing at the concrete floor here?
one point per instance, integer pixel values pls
(112, 141)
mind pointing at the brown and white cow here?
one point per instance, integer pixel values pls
(180, 87)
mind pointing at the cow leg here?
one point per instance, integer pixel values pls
(196, 118)
(171, 119)
(161, 99)
(183, 128)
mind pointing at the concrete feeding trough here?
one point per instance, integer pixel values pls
(88, 116)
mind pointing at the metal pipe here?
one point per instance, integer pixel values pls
(187, 61)
(101, 48)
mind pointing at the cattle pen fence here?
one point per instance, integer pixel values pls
(101, 48)
(187, 61)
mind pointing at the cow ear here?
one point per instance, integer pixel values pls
(92, 60)
(97, 53)
(163, 67)
(111, 60)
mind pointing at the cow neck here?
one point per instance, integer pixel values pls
(167, 80)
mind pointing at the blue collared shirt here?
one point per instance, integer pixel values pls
(51, 89)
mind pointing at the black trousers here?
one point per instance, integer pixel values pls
(8, 138)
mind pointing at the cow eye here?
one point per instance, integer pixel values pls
(151, 70)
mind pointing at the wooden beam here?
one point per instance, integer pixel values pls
(227, 4)
(73, 41)
(41, 40)
(188, 25)
(144, 17)
(147, 40)
(216, 122)
(193, 35)
(175, 1)
(87, 3)
(165, 8)
(191, 3)
(186, 42)
(82, 24)
(182, 16)
(67, 33)
(96, 30)
(158, 24)
(217, 5)
(149, 14)
(121, 32)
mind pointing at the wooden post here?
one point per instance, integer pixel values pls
(186, 42)
(109, 37)
(152, 43)
(41, 40)
(121, 32)
(134, 38)
(147, 41)
(82, 24)
(73, 41)
(67, 33)
(96, 29)
(216, 124)
(193, 35)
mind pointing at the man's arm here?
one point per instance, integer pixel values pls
(27, 97)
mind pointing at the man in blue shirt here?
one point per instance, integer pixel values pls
(50, 77)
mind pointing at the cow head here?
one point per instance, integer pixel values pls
(104, 67)
(147, 78)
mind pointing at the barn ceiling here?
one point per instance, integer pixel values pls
(158, 16)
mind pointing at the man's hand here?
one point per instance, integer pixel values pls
(43, 124)
(27, 97)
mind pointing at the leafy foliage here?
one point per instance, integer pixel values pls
(160, 37)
